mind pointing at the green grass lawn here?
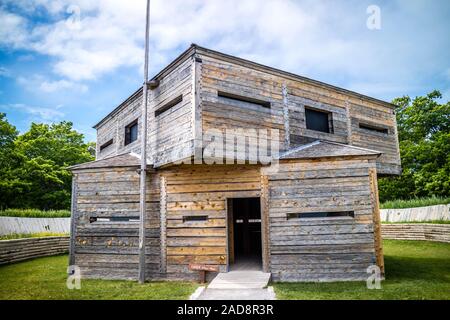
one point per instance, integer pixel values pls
(414, 270)
(414, 203)
(45, 278)
(34, 213)
(14, 236)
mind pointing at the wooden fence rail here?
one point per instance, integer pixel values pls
(22, 249)
(438, 212)
(9, 225)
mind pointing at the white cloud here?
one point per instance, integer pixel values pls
(49, 86)
(13, 32)
(312, 38)
(41, 114)
(90, 45)
(110, 33)
(52, 86)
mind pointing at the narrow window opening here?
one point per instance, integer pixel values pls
(114, 219)
(106, 144)
(195, 218)
(302, 215)
(131, 132)
(318, 120)
(373, 128)
(169, 105)
(238, 98)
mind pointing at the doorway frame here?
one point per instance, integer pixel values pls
(230, 227)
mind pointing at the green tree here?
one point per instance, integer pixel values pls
(10, 185)
(38, 176)
(424, 138)
(8, 133)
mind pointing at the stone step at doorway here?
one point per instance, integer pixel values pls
(238, 285)
(240, 280)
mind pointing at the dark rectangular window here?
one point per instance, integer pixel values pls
(114, 219)
(302, 215)
(195, 218)
(238, 98)
(131, 132)
(373, 128)
(169, 105)
(249, 221)
(318, 120)
(106, 144)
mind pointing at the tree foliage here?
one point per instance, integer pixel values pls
(33, 172)
(424, 138)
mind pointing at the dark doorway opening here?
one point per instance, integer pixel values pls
(244, 234)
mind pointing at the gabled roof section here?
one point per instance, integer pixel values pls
(326, 149)
(122, 160)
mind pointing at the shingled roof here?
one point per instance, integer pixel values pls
(122, 160)
(325, 149)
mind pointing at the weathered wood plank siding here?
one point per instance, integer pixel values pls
(201, 190)
(221, 113)
(170, 136)
(347, 111)
(321, 249)
(205, 92)
(109, 249)
(202, 75)
(381, 117)
(114, 128)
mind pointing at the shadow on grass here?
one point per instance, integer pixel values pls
(414, 270)
(408, 268)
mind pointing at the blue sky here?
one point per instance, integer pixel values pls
(78, 59)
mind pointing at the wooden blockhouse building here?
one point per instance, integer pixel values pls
(315, 217)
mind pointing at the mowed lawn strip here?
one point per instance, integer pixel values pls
(45, 278)
(414, 270)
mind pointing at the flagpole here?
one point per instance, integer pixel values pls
(143, 170)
